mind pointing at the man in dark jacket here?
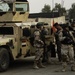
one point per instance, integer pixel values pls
(57, 39)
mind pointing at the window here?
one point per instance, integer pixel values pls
(21, 6)
(6, 7)
(6, 31)
(26, 32)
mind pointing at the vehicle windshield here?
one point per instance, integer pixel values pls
(6, 7)
(21, 7)
(6, 31)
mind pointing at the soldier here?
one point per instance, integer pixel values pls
(58, 35)
(67, 52)
(45, 36)
(44, 32)
(38, 44)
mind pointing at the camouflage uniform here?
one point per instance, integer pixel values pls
(67, 52)
(46, 39)
(38, 44)
(67, 56)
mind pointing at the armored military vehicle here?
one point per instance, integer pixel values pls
(14, 44)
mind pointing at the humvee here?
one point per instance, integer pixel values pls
(15, 41)
(14, 44)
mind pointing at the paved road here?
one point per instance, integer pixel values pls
(25, 67)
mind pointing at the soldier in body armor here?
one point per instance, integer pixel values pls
(44, 32)
(67, 53)
(38, 44)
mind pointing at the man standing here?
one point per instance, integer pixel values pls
(58, 35)
(38, 44)
(44, 33)
(67, 50)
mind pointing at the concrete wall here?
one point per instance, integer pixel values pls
(48, 20)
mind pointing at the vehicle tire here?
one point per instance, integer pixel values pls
(4, 59)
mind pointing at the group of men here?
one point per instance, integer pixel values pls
(65, 45)
(64, 40)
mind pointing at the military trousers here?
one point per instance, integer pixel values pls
(39, 53)
(67, 53)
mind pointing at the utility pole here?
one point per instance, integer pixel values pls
(52, 10)
(52, 4)
(52, 15)
(62, 3)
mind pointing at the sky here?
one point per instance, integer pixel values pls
(37, 5)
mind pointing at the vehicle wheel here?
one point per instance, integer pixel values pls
(4, 59)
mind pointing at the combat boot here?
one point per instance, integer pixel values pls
(64, 65)
(40, 64)
(72, 68)
(35, 65)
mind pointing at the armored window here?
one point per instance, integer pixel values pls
(26, 32)
(4, 7)
(21, 7)
(6, 31)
